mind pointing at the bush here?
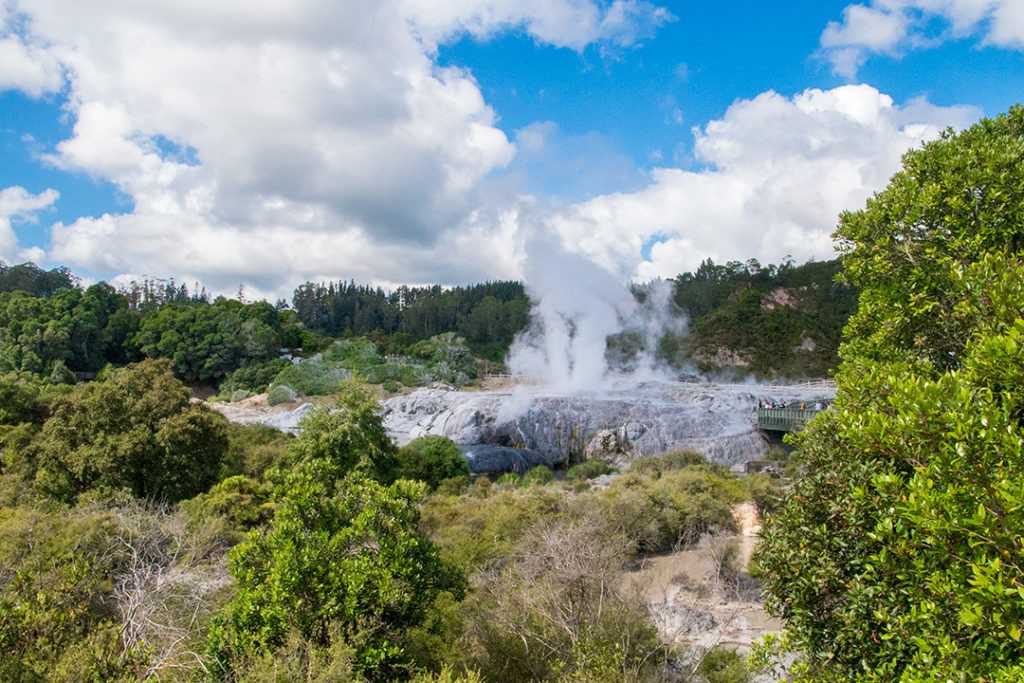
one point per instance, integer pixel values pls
(312, 377)
(560, 612)
(431, 459)
(655, 465)
(722, 665)
(588, 469)
(281, 393)
(674, 510)
(254, 379)
(134, 431)
(508, 480)
(537, 476)
(241, 501)
(253, 449)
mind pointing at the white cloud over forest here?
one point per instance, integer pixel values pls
(779, 170)
(268, 143)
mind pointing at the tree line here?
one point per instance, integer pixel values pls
(487, 315)
(772, 322)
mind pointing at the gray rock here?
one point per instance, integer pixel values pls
(491, 459)
(616, 426)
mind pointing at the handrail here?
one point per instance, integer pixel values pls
(786, 419)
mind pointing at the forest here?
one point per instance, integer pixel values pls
(142, 536)
(744, 319)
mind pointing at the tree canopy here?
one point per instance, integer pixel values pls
(343, 563)
(899, 555)
(134, 431)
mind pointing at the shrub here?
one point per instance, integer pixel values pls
(254, 379)
(537, 476)
(508, 480)
(431, 459)
(722, 665)
(135, 431)
(655, 465)
(589, 469)
(281, 393)
(674, 510)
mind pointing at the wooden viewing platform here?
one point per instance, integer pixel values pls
(785, 419)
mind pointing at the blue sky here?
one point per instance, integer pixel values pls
(434, 141)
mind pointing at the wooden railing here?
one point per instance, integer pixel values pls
(786, 419)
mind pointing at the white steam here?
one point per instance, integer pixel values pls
(576, 307)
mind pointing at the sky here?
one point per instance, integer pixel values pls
(263, 144)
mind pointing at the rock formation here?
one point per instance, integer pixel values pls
(616, 425)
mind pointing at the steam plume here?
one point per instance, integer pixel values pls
(577, 307)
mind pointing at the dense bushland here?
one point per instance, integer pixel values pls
(322, 556)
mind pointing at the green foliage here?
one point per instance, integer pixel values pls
(769, 321)
(897, 556)
(253, 378)
(722, 665)
(299, 659)
(487, 315)
(241, 502)
(134, 431)
(206, 342)
(56, 620)
(765, 490)
(431, 459)
(343, 563)
(350, 437)
(588, 469)
(252, 450)
(537, 476)
(447, 675)
(281, 393)
(509, 480)
(444, 358)
(20, 399)
(558, 613)
(655, 465)
(663, 510)
(475, 532)
(342, 556)
(81, 330)
(31, 279)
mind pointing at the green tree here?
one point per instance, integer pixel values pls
(898, 555)
(431, 459)
(135, 431)
(350, 437)
(344, 563)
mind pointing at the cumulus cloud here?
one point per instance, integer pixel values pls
(561, 23)
(19, 205)
(266, 143)
(894, 26)
(25, 63)
(272, 142)
(778, 171)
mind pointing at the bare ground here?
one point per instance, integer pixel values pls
(697, 603)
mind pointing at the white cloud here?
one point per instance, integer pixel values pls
(273, 142)
(894, 26)
(562, 23)
(779, 171)
(18, 204)
(25, 64)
